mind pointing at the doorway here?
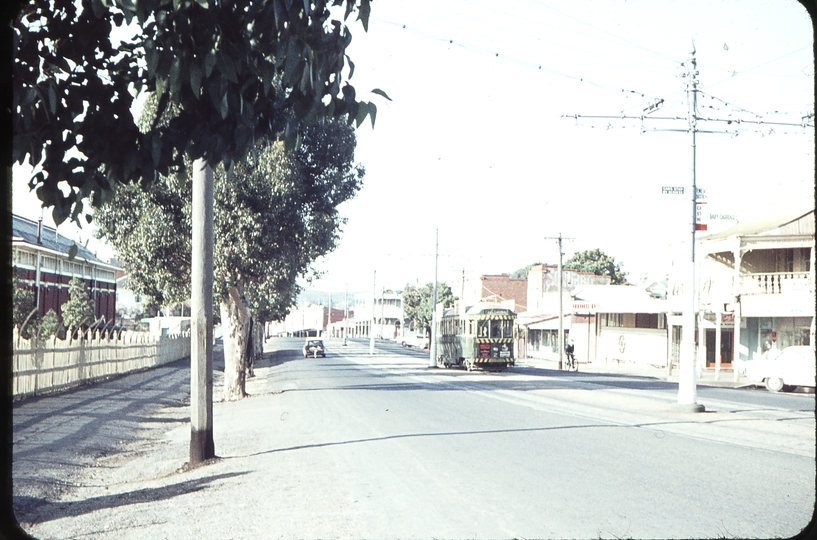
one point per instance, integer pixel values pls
(727, 348)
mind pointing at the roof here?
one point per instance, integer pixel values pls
(761, 226)
(25, 230)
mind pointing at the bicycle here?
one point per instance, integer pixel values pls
(571, 364)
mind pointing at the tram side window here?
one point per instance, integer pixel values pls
(482, 329)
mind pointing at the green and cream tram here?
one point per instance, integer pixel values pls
(482, 337)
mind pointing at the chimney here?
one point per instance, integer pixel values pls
(40, 231)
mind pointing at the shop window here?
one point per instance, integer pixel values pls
(646, 320)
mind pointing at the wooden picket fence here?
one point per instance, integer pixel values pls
(43, 366)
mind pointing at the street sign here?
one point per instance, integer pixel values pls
(672, 190)
(700, 194)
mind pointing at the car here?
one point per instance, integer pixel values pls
(795, 366)
(314, 348)
(411, 340)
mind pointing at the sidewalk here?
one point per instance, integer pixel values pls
(706, 377)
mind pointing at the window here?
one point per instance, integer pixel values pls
(612, 319)
(646, 320)
(483, 330)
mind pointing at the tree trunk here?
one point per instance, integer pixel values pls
(236, 325)
(255, 349)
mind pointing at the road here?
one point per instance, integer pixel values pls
(379, 446)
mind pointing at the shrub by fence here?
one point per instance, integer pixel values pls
(42, 366)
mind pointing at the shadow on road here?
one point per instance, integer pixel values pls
(46, 510)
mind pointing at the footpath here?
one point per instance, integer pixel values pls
(705, 377)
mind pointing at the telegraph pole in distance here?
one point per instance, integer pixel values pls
(432, 345)
(561, 297)
(371, 327)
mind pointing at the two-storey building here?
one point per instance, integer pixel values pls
(40, 256)
(756, 288)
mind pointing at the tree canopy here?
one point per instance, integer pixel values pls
(418, 300)
(599, 263)
(275, 213)
(240, 71)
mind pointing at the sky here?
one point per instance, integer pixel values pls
(493, 143)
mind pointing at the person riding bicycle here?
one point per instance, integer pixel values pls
(569, 350)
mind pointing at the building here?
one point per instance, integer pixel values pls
(494, 288)
(382, 317)
(756, 288)
(305, 320)
(538, 325)
(41, 258)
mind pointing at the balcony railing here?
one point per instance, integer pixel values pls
(776, 283)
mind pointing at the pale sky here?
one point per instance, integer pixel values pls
(474, 144)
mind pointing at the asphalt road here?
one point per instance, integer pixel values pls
(379, 446)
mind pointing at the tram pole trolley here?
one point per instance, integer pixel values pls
(480, 337)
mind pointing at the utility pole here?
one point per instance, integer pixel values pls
(202, 446)
(345, 312)
(371, 326)
(687, 383)
(432, 346)
(687, 390)
(561, 298)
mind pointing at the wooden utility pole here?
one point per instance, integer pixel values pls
(561, 298)
(202, 446)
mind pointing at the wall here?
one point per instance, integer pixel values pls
(640, 345)
(57, 365)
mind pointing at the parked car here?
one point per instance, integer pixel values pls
(412, 340)
(795, 366)
(314, 348)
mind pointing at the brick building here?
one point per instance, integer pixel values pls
(40, 259)
(493, 287)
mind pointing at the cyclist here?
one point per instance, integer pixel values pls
(571, 358)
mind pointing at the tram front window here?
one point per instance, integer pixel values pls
(507, 329)
(482, 329)
(496, 329)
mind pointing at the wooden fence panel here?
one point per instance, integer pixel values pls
(53, 364)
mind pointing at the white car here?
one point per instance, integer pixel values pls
(420, 342)
(794, 367)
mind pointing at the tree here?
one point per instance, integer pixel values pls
(49, 325)
(79, 309)
(24, 307)
(522, 273)
(275, 213)
(417, 303)
(599, 263)
(238, 71)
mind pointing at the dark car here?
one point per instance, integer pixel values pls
(314, 348)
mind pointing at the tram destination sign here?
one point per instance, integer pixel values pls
(672, 190)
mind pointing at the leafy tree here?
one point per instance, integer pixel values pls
(417, 303)
(275, 213)
(24, 307)
(599, 263)
(522, 273)
(79, 309)
(49, 325)
(239, 71)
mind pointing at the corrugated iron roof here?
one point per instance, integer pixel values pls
(26, 230)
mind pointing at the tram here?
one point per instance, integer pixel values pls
(480, 338)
